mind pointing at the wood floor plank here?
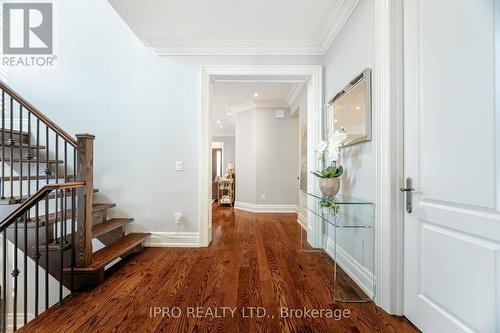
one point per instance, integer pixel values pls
(254, 260)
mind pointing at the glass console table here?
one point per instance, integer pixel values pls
(344, 228)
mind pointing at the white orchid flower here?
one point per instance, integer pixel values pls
(335, 145)
(320, 149)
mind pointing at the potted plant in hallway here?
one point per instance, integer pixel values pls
(329, 181)
(329, 177)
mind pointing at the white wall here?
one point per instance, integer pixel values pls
(245, 123)
(267, 158)
(143, 109)
(229, 149)
(350, 54)
(277, 158)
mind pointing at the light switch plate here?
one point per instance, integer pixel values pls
(179, 166)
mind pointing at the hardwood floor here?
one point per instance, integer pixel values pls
(254, 262)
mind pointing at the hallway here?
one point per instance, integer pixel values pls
(254, 261)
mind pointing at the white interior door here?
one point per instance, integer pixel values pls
(452, 152)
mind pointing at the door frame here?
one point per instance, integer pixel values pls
(388, 93)
(315, 113)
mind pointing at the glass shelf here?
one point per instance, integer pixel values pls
(339, 199)
(343, 227)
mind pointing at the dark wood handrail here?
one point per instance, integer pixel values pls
(31, 201)
(27, 105)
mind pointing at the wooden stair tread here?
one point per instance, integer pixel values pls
(99, 207)
(113, 251)
(109, 225)
(16, 200)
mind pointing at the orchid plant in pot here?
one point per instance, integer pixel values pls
(329, 153)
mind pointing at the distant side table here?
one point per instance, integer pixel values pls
(226, 191)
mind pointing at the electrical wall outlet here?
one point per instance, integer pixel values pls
(179, 166)
(178, 218)
(262, 197)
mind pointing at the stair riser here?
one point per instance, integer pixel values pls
(99, 217)
(111, 236)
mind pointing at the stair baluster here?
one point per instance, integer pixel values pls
(44, 209)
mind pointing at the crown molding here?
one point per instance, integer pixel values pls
(319, 46)
(233, 47)
(252, 105)
(294, 93)
(243, 107)
(337, 20)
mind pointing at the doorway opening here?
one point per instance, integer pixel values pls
(213, 119)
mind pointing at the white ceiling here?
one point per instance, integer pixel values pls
(236, 26)
(227, 96)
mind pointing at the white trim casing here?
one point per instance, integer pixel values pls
(265, 208)
(173, 239)
(319, 46)
(388, 111)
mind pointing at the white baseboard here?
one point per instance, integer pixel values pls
(302, 221)
(362, 276)
(173, 239)
(262, 208)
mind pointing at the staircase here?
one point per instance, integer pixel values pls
(48, 214)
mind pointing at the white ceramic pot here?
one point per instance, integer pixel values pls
(329, 187)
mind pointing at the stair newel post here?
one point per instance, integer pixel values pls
(85, 172)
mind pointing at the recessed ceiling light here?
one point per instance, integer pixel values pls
(256, 95)
(357, 108)
(218, 121)
(336, 120)
(221, 126)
